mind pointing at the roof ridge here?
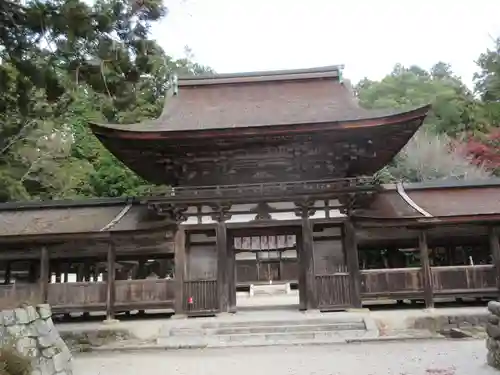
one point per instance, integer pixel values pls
(263, 73)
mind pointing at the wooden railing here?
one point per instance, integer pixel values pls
(464, 280)
(391, 283)
(81, 296)
(149, 293)
(203, 295)
(452, 281)
(236, 193)
(92, 296)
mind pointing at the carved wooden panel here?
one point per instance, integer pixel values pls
(258, 159)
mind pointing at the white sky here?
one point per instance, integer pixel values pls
(368, 36)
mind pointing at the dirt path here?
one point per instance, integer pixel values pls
(417, 358)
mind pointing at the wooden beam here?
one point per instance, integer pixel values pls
(426, 269)
(44, 273)
(495, 253)
(110, 282)
(46, 238)
(307, 264)
(351, 252)
(222, 266)
(180, 268)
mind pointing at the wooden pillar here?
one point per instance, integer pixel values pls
(222, 266)
(32, 272)
(495, 253)
(80, 271)
(86, 270)
(67, 268)
(426, 269)
(307, 264)
(110, 283)
(351, 253)
(450, 254)
(301, 277)
(57, 271)
(44, 274)
(162, 268)
(180, 267)
(281, 269)
(7, 274)
(231, 275)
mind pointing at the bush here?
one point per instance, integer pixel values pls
(429, 157)
(14, 363)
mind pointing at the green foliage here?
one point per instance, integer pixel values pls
(106, 39)
(63, 63)
(454, 108)
(448, 145)
(488, 83)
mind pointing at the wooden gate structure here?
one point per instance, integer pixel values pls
(256, 155)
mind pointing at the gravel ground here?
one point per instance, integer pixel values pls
(417, 358)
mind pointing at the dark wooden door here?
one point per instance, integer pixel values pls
(333, 290)
(201, 297)
(332, 279)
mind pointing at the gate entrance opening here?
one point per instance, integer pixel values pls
(266, 267)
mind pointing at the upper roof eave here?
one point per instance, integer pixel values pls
(387, 117)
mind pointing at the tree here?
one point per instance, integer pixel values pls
(104, 44)
(484, 149)
(99, 65)
(487, 82)
(34, 146)
(454, 109)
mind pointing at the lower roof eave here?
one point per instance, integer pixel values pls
(374, 222)
(49, 238)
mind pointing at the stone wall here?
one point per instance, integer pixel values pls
(493, 332)
(31, 331)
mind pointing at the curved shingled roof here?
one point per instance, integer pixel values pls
(300, 124)
(273, 98)
(441, 199)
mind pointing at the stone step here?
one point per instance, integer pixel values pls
(284, 336)
(261, 339)
(289, 328)
(333, 319)
(269, 289)
(259, 328)
(277, 328)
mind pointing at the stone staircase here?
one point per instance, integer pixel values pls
(270, 289)
(236, 331)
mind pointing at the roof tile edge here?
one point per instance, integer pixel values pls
(445, 184)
